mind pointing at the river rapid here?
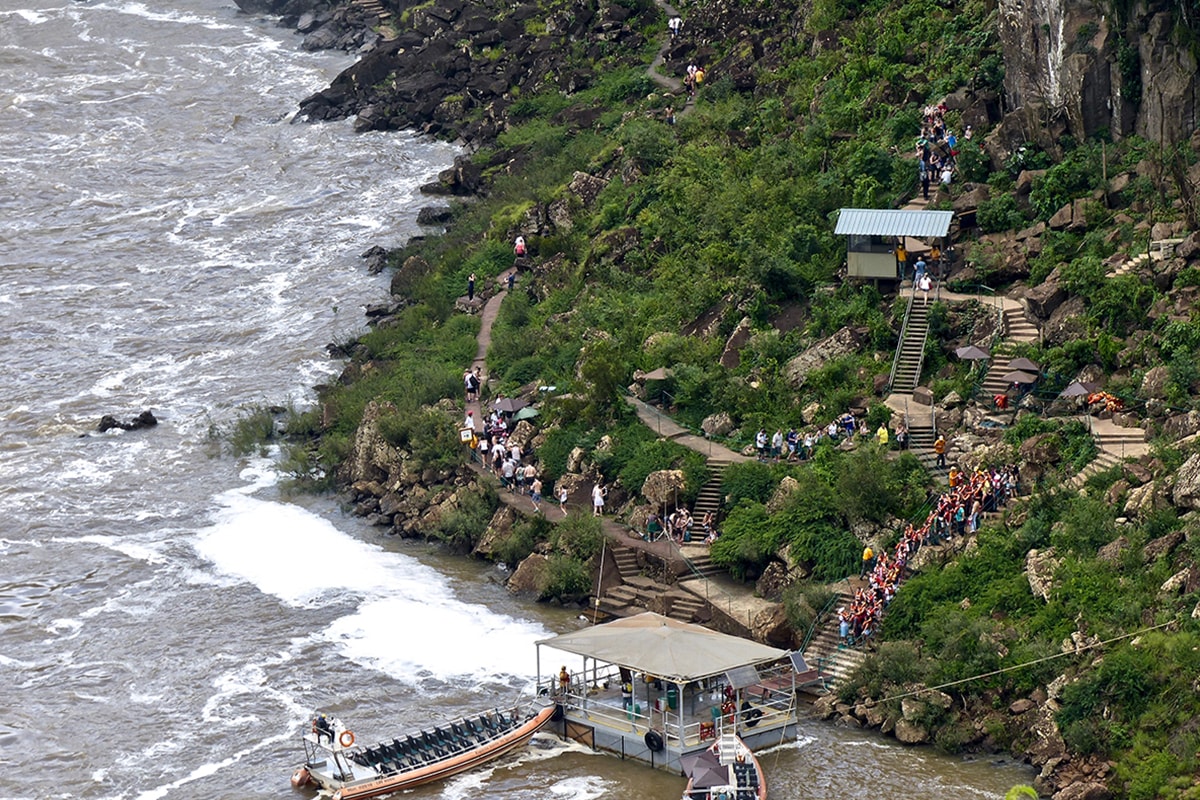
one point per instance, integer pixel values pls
(172, 241)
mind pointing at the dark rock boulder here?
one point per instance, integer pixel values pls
(434, 215)
(146, 419)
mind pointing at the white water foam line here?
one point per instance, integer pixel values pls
(405, 622)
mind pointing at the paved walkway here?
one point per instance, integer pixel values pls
(668, 428)
(735, 599)
(487, 318)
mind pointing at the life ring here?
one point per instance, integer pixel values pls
(654, 741)
(751, 717)
(346, 738)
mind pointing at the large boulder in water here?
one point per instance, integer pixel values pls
(146, 419)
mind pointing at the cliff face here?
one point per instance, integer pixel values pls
(1073, 66)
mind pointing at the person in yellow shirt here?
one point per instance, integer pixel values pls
(868, 560)
(882, 435)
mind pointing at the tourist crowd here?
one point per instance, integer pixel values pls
(955, 513)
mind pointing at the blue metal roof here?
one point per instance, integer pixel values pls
(885, 222)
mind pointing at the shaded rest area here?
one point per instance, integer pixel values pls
(871, 237)
(654, 688)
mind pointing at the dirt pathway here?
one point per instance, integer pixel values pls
(668, 82)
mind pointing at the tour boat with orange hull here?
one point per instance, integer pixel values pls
(728, 770)
(335, 763)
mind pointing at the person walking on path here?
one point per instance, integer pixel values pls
(598, 493)
(535, 494)
(562, 500)
(471, 287)
(512, 278)
(925, 283)
(939, 449)
(675, 24)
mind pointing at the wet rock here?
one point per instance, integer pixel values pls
(910, 733)
(775, 578)
(146, 419)
(434, 215)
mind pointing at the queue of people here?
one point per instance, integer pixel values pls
(956, 512)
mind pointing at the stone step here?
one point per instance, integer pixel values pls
(644, 584)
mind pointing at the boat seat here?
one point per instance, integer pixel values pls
(745, 794)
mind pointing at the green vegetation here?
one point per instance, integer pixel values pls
(720, 227)
(812, 521)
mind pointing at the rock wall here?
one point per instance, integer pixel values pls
(1076, 67)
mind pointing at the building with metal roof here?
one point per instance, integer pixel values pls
(873, 234)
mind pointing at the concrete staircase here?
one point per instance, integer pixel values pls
(1160, 250)
(921, 438)
(683, 606)
(1017, 330)
(711, 497)
(828, 655)
(635, 595)
(1104, 461)
(698, 559)
(906, 373)
(374, 8)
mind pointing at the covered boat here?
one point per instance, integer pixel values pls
(336, 763)
(727, 770)
(657, 690)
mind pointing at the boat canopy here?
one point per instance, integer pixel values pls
(667, 648)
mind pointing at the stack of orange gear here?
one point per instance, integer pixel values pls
(1111, 402)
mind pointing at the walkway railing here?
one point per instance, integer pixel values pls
(900, 344)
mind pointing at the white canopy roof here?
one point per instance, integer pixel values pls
(665, 648)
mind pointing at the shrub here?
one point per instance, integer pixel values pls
(578, 536)
(749, 480)
(521, 541)
(999, 213)
(564, 579)
(462, 527)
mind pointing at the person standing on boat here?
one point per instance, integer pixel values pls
(564, 679)
(323, 728)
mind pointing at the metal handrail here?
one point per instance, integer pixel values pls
(900, 344)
